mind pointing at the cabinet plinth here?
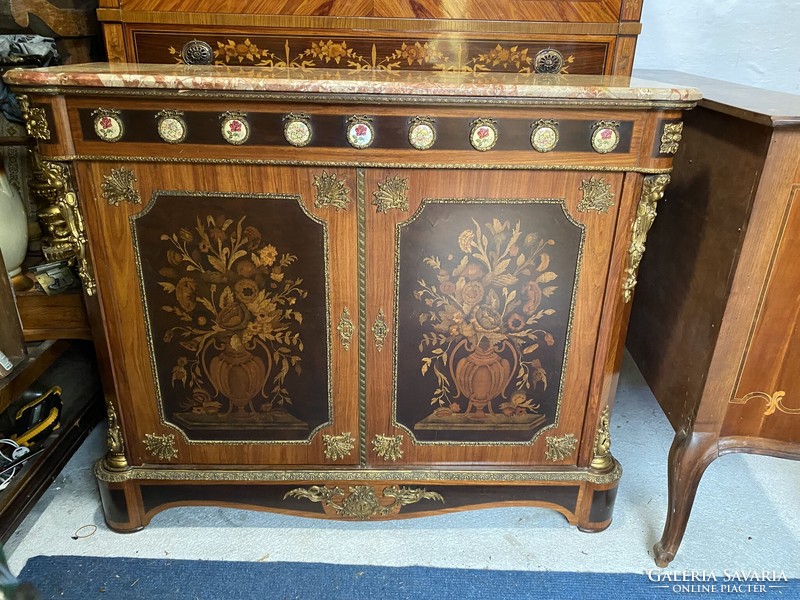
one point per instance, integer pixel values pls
(389, 298)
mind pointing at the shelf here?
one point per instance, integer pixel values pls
(76, 374)
(40, 357)
(62, 316)
(16, 140)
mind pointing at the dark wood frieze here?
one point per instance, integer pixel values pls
(329, 131)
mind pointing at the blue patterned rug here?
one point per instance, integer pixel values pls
(85, 578)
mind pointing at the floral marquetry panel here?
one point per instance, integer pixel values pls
(437, 53)
(237, 310)
(484, 302)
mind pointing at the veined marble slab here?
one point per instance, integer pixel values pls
(341, 81)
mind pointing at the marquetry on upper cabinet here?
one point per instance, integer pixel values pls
(714, 328)
(342, 294)
(584, 37)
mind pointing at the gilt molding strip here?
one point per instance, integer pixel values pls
(359, 164)
(279, 475)
(361, 243)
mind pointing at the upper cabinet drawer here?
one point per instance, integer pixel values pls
(345, 50)
(585, 37)
(576, 11)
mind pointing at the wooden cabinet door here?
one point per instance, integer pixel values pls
(222, 287)
(484, 298)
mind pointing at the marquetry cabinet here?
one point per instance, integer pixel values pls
(589, 37)
(714, 328)
(341, 296)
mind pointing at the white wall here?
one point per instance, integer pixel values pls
(754, 42)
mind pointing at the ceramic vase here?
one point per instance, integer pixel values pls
(13, 226)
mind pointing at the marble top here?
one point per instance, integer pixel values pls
(342, 81)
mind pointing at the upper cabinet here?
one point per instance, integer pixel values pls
(590, 37)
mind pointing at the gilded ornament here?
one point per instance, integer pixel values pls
(605, 136)
(483, 134)
(597, 195)
(235, 128)
(346, 328)
(548, 61)
(559, 448)
(108, 124)
(170, 126)
(671, 137)
(361, 501)
(161, 446)
(115, 458)
(331, 191)
(58, 243)
(120, 186)
(774, 402)
(63, 218)
(544, 136)
(360, 133)
(380, 330)
(35, 119)
(392, 193)
(338, 446)
(652, 191)
(421, 132)
(297, 129)
(388, 447)
(603, 461)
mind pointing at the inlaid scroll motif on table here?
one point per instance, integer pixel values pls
(774, 402)
(486, 316)
(234, 298)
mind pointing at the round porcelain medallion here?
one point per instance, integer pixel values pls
(422, 135)
(108, 127)
(297, 131)
(360, 133)
(605, 138)
(483, 135)
(544, 136)
(172, 128)
(235, 129)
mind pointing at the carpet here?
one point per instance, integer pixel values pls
(85, 578)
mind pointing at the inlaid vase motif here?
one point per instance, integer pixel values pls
(485, 310)
(234, 300)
